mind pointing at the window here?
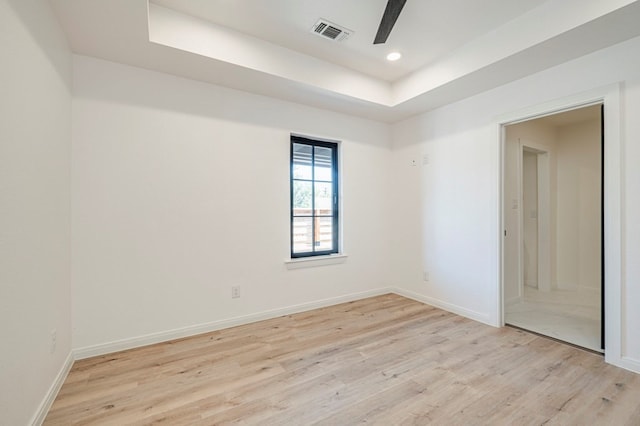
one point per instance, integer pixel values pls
(314, 197)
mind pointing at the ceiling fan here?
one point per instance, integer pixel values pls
(391, 13)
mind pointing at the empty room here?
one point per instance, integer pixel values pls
(293, 212)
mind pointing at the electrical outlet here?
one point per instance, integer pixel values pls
(54, 338)
(235, 291)
(425, 276)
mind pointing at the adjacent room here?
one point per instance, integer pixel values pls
(554, 275)
(319, 212)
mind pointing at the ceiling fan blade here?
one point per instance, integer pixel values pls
(391, 13)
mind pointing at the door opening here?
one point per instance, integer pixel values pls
(553, 217)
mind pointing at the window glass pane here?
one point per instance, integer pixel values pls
(302, 161)
(302, 197)
(322, 163)
(314, 175)
(324, 233)
(302, 234)
(324, 199)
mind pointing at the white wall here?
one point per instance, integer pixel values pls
(575, 196)
(181, 190)
(578, 205)
(35, 136)
(447, 215)
(512, 206)
(533, 134)
(443, 222)
(631, 226)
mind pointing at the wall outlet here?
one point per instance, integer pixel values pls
(54, 338)
(425, 276)
(235, 291)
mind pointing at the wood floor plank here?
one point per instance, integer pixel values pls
(384, 360)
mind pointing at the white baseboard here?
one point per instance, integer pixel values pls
(630, 364)
(163, 336)
(45, 405)
(450, 307)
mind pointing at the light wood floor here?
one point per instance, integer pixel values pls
(385, 360)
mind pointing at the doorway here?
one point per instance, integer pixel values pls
(553, 215)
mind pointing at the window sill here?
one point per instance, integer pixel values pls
(313, 261)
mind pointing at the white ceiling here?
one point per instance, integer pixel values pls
(452, 48)
(574, 116)
(426, 29)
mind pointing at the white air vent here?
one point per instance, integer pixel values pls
(330, 30)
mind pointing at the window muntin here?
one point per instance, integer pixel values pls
(314, 197)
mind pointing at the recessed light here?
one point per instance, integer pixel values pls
(394, 56)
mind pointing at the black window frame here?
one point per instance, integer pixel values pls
(335, 202)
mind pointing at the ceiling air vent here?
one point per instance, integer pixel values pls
(330, 30)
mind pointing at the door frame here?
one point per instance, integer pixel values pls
(543, 255)
(609, 96)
